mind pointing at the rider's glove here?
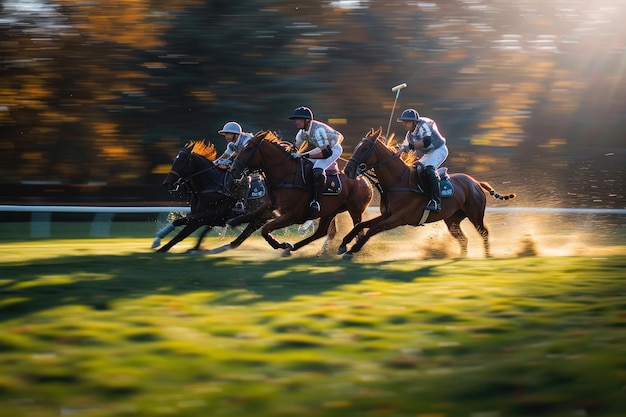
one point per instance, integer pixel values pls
(296, 155)
(223, 162)
(405, 148)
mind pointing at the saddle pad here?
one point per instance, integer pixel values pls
(333, 184)
(445, 187)
(258, 189)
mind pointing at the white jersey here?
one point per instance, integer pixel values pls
(319, 135)
(426, 131)
(234, 147)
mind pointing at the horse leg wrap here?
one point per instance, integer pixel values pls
(165, 231)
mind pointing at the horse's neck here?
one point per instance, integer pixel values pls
(204, 172)
(274, 159)
(390, 169)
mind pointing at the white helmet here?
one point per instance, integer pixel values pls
(231, 127)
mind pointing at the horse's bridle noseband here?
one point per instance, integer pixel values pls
(182, 180)
(257, 145)
(362, 167)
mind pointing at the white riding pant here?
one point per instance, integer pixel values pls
(331, 160)
(436, 157)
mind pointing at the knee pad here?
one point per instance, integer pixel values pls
(318, 173)
(318, 177)
(430, 172)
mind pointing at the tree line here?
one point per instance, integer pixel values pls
(108, 91)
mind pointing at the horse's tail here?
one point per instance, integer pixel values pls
(495, 194)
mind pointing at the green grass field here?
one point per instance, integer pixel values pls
(105, 327)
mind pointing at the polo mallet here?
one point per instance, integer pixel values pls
(396, 90)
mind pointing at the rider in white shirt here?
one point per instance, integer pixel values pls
(423, 137)
(326, 144)
(236, 139)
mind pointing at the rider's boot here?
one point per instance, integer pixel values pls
(318, 188)
(433, 187)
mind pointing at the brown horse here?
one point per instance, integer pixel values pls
(289, 180)
(402, 203)
(209, 197)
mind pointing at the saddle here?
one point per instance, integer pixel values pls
(418, 183)
(332, 186)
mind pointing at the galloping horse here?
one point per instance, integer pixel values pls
(401, 204)
(210, 200)
(287, 180)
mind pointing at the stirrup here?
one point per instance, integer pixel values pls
(315, 206)
(239, 208)
(433, 206)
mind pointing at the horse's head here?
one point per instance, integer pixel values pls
(259, 152)
(183, 164)
(367, 154)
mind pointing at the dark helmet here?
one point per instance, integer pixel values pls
(302, 113)
(409, 114)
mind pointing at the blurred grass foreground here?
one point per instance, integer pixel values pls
(103, 327)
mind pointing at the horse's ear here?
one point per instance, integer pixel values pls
(370, 133)
(379, 132)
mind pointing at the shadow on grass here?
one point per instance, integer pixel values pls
(97, 280)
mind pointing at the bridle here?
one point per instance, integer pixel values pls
(362, 168)
(243, 164)
(186, 180)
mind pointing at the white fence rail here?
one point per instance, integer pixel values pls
(101, 224)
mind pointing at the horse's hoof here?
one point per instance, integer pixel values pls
(155, 243)
(347, 256)
(286, 253)
(193, 251)
(221, 249)
(342, 249)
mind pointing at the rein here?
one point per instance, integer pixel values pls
(186, 181)
(363, 169)
(266, 167)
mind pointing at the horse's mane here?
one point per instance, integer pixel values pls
(199, 147)
(270, 136)
(392, 145)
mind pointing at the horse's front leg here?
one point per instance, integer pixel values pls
(356, 230)
(383, 223)
(250, 228)
(330, 235)
(187, 230)
(260, 212)
(206, 230)
(167, 230)
(279, 222)
(322, 230)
